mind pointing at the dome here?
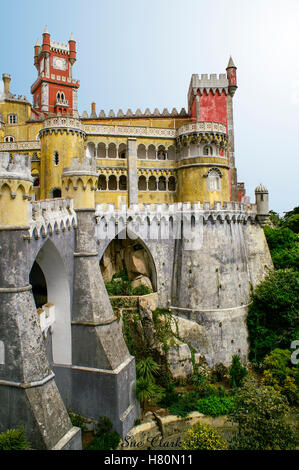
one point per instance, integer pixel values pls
(261, 189)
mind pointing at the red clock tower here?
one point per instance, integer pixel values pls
(55, 90)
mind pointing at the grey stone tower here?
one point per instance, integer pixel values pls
(262, 204)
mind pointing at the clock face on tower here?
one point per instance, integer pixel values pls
(59, 63)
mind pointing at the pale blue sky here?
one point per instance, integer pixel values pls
(141, 53)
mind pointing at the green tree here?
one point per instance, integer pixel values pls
(236, 372)
(260, 414)
(292, 223)
(273, 316)
(275, 218)
(281, 374)
(289, 214)
(286, 258)
(280, 238)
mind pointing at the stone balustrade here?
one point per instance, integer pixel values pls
(202, 126)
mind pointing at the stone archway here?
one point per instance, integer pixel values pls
(50, 283)
(132, 255)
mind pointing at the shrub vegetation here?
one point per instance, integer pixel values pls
(105, 439)
(204, 437)
(14, 439)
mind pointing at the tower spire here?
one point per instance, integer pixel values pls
(230, 63)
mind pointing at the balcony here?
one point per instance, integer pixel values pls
(201, 126)
(61, 102)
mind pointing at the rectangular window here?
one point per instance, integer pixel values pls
(12, 118)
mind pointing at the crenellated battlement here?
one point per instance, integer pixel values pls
(50, 216)
(207, 83)
(138, 114)
(168, 221)
(171, 208)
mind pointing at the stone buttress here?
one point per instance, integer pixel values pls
(28, 392)
(103, 372)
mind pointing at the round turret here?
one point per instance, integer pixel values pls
(36, 53)
(262, 203)
(231, 72)
(79, 182)
(203, 170)
(15, 189)
(72, 50)
(62, 138)
(46, 47)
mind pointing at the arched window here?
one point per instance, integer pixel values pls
(101, 150)
(112, 183)
(207, 150)
(214, 180)
(56, 158)
(122, 151)
(58, 96)
(112, 150)
(171, 183)
(142, 183)
(152, 183)
(161, 153)
(90, 150)
(122, 183)
(9, 138)
(151, 152)
(141, 152)
(102, 183)
(162, 183)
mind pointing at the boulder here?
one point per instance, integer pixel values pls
(146, 317)
(136, 262)
(142, 281)
(179, 360)
(195, 334)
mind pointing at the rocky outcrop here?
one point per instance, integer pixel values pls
(142, 281)
(129, 255)
(179, 360)
(163, 336)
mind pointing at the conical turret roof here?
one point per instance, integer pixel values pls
(230, 63)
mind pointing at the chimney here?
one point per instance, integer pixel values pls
(6, 81)
(93, 110)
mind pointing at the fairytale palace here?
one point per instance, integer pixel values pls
(81, 197)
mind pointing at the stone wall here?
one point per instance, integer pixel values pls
(160, 431)
(207, 260)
